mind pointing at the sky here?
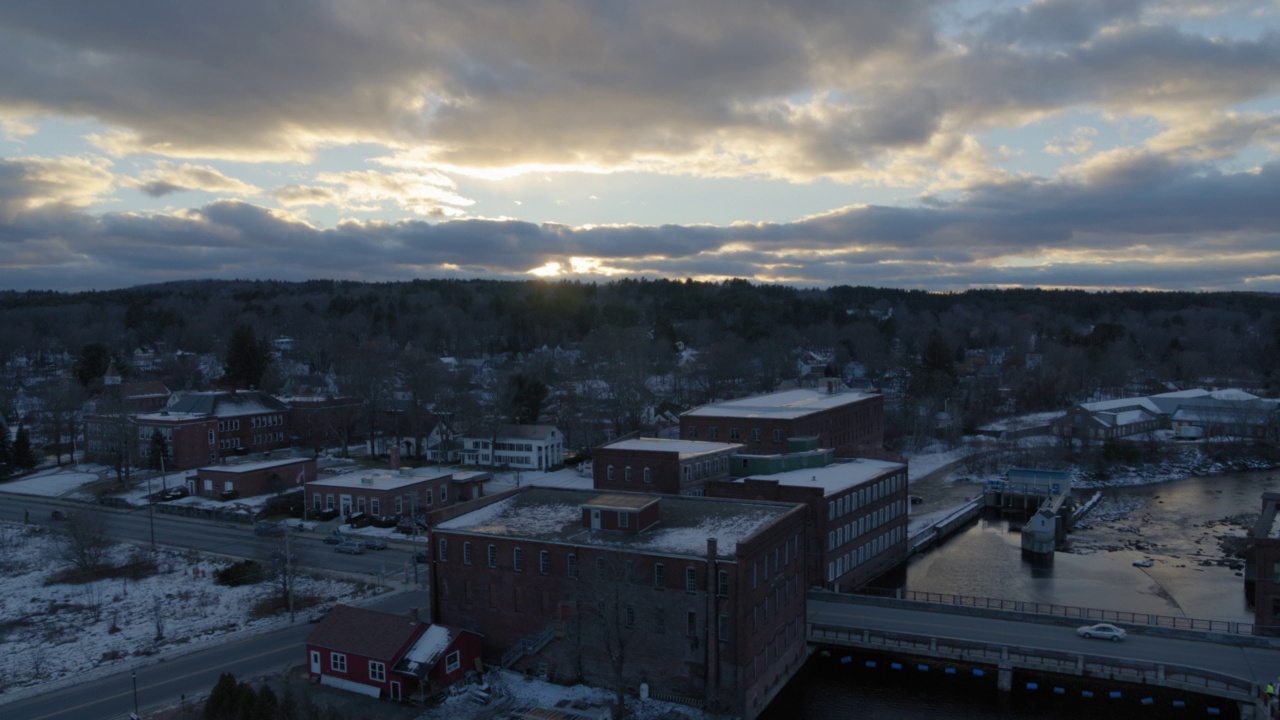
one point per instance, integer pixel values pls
(926, 144)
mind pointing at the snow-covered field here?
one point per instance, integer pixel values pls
(52, 631)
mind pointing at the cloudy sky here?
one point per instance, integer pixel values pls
(939, 145)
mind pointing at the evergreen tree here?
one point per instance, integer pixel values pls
(222, 697)
(6, 450)
(159, 452)
(24, 458)
(247, 358)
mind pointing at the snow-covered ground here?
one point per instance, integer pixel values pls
(53, 631)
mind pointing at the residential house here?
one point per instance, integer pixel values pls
(383, 655)
(668, 466)
(848, 421)
(519, 447)
(702, 597)
(1191, 414)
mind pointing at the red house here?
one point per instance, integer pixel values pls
(390, 656)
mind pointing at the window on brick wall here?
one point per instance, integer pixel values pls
(690, 579)
(466, 553)
(659, 575)
(517, 559)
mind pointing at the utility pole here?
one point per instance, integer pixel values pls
(135, 695)
(288, 572)
(151, 513)
(413, 516)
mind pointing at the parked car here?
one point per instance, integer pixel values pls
(324, 515)
(335, 539)
(375, 544)
(349, 548)
(174, 493)
(269, 529)
(1105, 631)
(58, 515)
(422, 557)
(318, 614)
(1144, 563)
(915, 499)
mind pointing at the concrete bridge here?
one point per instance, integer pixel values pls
(1220, 661)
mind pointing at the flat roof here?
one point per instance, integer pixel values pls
(834, 478)
(788, 404)
(252, 466)
(684, 523)
(686, 448)
(379, 479)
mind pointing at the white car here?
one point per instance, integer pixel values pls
(1105, 631)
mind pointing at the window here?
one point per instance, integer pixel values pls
(623, 519)
(755, 434)
(713, 432)
(442, 553)
(544, 562)
(648, 476)
(338, 662)
(453, 661)
(360, 504)
(608, 473)
(690, 579)
(517, 559)
(493, 555)
(693, 432)
(427, 496)
(375, 507)
(722, 583)
(399, 506)
(777, 435)
(466, 553)
(377, 671)
(659, 575)
(626, 474)
(733, 433)
(571, 565)
(444, 494)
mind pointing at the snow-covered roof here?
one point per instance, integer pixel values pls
(426, 651)
(253, 466)
(227, 404)
(788, 404)
(1121, 404)
(686, 448)
(684, 524)
(380, 479)
(834, 478)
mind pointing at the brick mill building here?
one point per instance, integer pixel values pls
(668, 466)
(399, 491)
(704, 598)
(252, 478)
(848, 421)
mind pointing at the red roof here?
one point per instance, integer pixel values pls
(367, 633)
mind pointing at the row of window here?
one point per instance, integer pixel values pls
(691, 583)
(713, 433)
(229, 443)
(867, 523)
(781, 556)
(646, 474)
(378, 670)
(225, 425)
(145, 433)
(265, 438)
(849, 502)
(851, 559)
(782, 640)
(772, 603)
(262, 421)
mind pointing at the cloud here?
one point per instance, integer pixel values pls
(51, 185)
(791, 90)
(167, 177)
(1118, 219)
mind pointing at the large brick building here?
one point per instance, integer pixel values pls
(398, 492)
(848, 421)
(703, 597)
(856, 511)
(252, 478)
(1264, 561)
(668, 466)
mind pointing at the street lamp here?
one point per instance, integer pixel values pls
(135, 695)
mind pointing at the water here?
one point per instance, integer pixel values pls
(1177, 524)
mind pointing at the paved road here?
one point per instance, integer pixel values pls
(1255, 664)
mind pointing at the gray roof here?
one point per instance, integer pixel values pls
(227, 404)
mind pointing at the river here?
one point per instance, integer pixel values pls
(1177, 524)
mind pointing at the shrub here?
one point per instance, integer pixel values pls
(245, 572)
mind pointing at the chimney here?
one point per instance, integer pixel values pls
(395, 457)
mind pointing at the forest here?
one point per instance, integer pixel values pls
(602, 359)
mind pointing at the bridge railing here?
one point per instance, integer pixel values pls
(1070, 611)
(1037, 659)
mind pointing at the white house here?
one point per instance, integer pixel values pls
(520, 447)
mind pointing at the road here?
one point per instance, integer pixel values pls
(1256, 664)
(165, 681)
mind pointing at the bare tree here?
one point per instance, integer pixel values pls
(610, 621)
(284, 563)
(83, 541)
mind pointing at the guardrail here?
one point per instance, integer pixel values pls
(1041, 660)
(1068, 611)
